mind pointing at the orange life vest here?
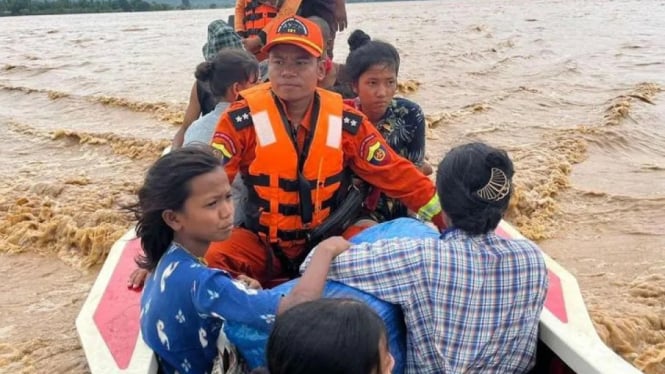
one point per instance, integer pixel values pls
(293, 191)
(257, 16)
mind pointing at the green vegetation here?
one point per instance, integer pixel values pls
(26, 7)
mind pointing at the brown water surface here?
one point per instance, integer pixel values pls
(571, 89)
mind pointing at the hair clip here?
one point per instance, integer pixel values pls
(497, 188)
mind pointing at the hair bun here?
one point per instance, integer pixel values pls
(357, 39)
(496, 159)
(204, 71)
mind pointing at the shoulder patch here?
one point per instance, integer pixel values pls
(241, 118)
(351, 122)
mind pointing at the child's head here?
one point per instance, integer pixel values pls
(186, 193)
(230, 71)
(329, 336)
(474, 182)
(372, 67)
(325, 32)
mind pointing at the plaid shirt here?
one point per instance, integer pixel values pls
(471, 303)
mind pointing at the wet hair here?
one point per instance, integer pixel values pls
(365, 53)
(228, 67)
(167, 187)
(463, 183)
(326, 336)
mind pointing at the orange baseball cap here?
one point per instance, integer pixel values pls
(296, 31)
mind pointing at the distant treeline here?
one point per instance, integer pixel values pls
(32, 7)
(27, 7)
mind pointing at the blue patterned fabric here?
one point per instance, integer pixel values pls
(184, 304)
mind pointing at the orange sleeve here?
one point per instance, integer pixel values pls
(373, 160)
(238, 23)
(234, 139)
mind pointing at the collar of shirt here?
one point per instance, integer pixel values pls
(454, 233)
(305, 119)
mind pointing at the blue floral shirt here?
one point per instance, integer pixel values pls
(184, 305)
(403, 126)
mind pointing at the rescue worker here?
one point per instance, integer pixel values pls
(292, 143)
(253, 16)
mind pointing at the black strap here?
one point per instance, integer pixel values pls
(293, 209)
(304, 187)
(258, 16)
(290, 185)
(287, 236)
(289, 266)
(252, 5)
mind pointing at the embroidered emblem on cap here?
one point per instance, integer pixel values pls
(292, 26)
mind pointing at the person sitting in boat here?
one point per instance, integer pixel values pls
(339, 336)
(228, 73)
(183, 205)
(201, 101)
(277, 137)
(471, 299)
(372, 68)
(332, 11)
(253, 17)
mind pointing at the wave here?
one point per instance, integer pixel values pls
(637, 335)
(543, 169)
(167, 112)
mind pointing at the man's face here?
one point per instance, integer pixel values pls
(293, 72)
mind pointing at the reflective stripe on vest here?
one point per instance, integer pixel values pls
(294, 189)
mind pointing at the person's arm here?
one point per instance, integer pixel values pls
(239, 20)
(216, 294)
(415, 120)
(373, 160)
(191, 114)
(311, 284)
(233, 141)
(340, 15)
(387, 269)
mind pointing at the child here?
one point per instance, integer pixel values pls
(228, 73)
(201, 102)
(329, 336)
(372, 68)
(183, 205)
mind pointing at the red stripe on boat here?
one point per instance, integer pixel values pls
(117, 315)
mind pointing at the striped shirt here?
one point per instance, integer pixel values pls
(471, 303)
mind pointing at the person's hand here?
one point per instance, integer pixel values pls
(252, 44)
(426, 168)
(340, 15)
(250, 283)
(335, 245)
(137, 279)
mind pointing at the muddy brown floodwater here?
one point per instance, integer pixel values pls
(573, 90)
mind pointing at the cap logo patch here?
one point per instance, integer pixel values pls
(292, 26)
